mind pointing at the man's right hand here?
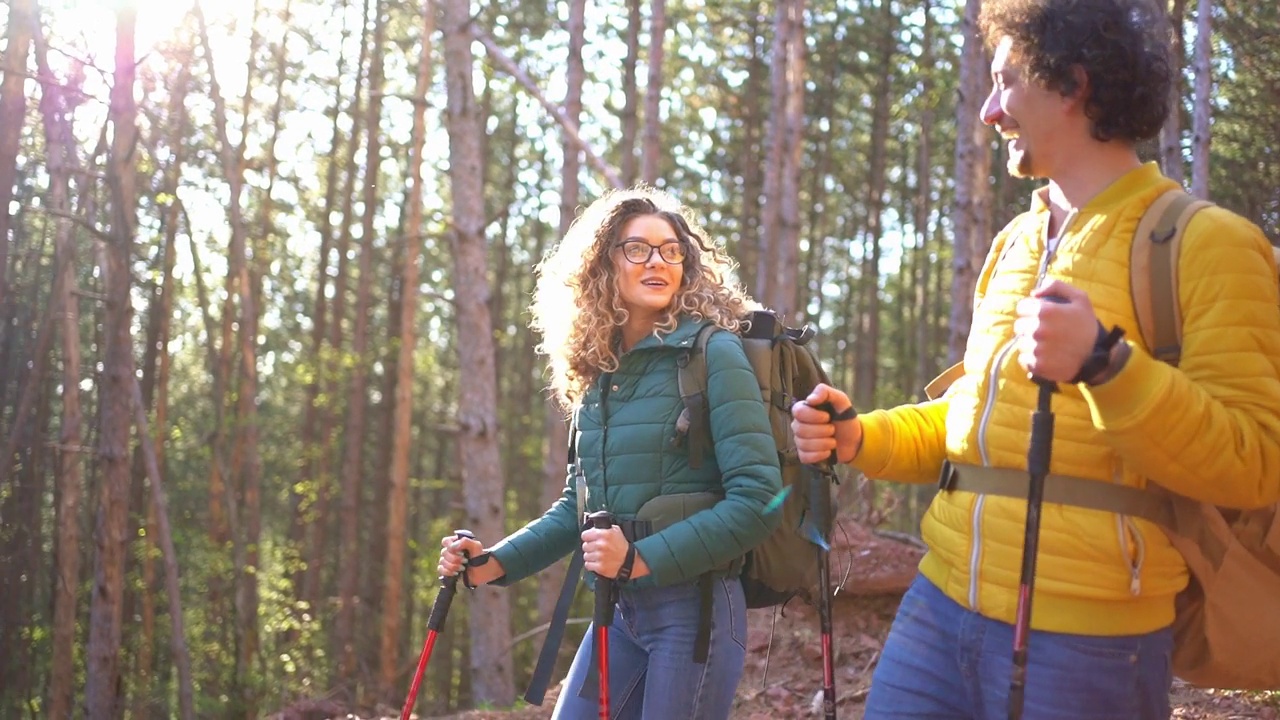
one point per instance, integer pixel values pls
(816, 436)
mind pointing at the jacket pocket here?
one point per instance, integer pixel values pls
(1133, 551)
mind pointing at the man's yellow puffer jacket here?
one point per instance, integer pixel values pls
(1209, 429)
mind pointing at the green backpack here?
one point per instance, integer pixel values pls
(789, 562)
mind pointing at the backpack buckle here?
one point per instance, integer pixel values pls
(947, 477)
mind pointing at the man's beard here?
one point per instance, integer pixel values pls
(1019, 164)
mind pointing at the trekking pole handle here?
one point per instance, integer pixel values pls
(1047, 387)
(833, 416)
(602, 520)
(448, 587)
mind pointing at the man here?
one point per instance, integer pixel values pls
(1077, 83)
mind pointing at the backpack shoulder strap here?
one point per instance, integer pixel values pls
(1153, 272)
(692, 378)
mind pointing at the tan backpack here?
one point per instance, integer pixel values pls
(1227, 628)
(1227, 631)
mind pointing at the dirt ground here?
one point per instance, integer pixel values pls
(876, 570)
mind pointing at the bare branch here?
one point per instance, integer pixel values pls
(571, 129)
(78, 220)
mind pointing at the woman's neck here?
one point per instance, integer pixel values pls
(635, 330)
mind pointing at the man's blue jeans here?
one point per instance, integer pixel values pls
(942, 661)
(652, 675)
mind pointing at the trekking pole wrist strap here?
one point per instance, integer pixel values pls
(628, 564)
(1100, 358)
(848, 413)
(476, 561)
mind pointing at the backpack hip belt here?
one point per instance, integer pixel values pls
(1152, 503)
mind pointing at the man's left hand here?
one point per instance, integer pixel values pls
(1053, 339)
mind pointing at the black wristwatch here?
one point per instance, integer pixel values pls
(1100, 357)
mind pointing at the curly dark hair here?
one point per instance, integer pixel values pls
(1122, 45)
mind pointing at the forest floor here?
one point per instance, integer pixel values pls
(878, 569)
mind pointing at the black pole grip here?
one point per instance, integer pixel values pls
(448, 588)
(603, 616)
(830, 410)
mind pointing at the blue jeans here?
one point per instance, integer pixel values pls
(652, 675)
(944, 661)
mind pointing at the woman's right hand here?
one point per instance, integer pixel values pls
(452, 560)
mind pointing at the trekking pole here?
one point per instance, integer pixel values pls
(603, 617)
(439, 611)
(1038, 466)
(824, 612)
(820, 510)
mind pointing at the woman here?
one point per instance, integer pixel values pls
(618, 303)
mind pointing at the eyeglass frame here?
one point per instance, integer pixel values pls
(622, 245)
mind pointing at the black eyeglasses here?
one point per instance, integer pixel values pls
(639, 251)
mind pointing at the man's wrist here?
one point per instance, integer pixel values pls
(1118, 358)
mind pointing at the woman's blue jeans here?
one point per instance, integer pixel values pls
(942, 661)
(652, 675)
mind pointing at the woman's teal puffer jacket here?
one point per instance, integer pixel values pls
(629, 454)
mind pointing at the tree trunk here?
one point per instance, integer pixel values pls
(788, 247)
(491, 675)
(357, 393)
(103, 677)
(172, 218)
(13, 110)
(245, 461)
(1171, 134)
(60, 143)
(972, 214)
(555, 453)
(631, 95)
(156, 366)
(926, 366)
(1201, 122)
(751, 161)
(867, 345)
(333, 372)
(402, 430)
(652, 153)
(177, 632)
(779, 222)
(219, 500)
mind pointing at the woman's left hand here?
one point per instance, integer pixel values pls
(604, 550)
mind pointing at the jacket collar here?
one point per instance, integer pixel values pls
(683, 335)
(1140, 179)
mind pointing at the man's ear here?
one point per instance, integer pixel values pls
(1079, 93)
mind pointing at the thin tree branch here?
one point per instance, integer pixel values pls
(571, 129)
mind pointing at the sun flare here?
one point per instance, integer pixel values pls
(91, 24)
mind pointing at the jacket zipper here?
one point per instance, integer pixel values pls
(605, 384)
(992, 385)
(1128, 529)
(984, 455)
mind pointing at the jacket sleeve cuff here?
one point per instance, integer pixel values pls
(1121, 402)
(875, 453)
(513, 563)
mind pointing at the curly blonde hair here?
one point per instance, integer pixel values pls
(577, 307)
